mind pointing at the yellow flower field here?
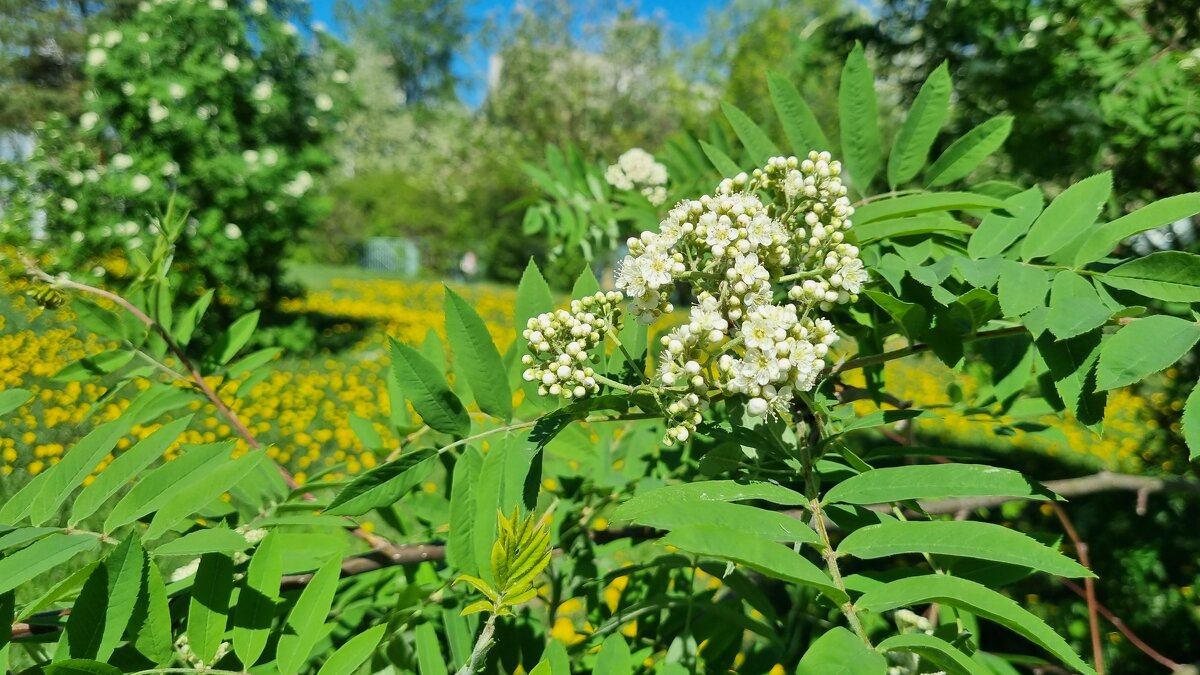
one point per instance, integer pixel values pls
(303, 407)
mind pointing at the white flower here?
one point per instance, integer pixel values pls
(230, 62)
(630, 277)
(170, 169)
(290, 29)
(299, 185)
(720, 235)
(258, 7)
(637, 168)
(140, 183)
(324, 102)
(233, 231)
(747, 270)
(270, 157)
(88, 120)
(99, 271)
(218, 5)
(340, 76)
(70, 205)
(112, 38)
(157, 111)
(76, 236)
(176, 90)
(121, 161)
(250, 156)
(850, 276)
(128, 88)
(262, 91)
(96, 57)
(75, 178)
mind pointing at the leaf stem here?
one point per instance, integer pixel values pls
(482, 645)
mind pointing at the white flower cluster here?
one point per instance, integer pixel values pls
(763, 257)
(637, 169)
(560, 345)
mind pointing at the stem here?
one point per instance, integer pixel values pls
(811, 490)
(482, 645)
(1089, 586)
(625, 352)
(613, 383)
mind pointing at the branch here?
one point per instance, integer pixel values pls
(1104, 481)
(1120, 626)
(1089, 584)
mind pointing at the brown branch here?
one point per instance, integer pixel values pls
(1116, 621)
(197, 379)
(1104, 481)
(1089, 585)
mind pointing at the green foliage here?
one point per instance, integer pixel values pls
(816, 524)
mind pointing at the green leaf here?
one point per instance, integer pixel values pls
(721, 161)
(1153, 215)
(477, 358)
(926, 117)
(75, 466)
(1075, 307)
(80, 667)
(712, 491)
(840, 652)
(191, 318)
(533, 297)
(11, 399)
(1072, 367)
(1143, 348)
(58, 591)
(460, 546)
(425, 386)
(366, 433)
(253, 361)
(858, 110)
(7, 614)
(232, 341)
(209, 606)
(614, 657)
(157, 487)
(756, 141)
(967, 152)
(384, 485)
(879, 418)
(670, 514)
(933, 481)
(106, 602)
(797, 119)
(352, 655)
(307, 618)
(1022, 288)
(1191, 423)
(127, 465)
(908, 205)
(40, 556)
(975, 598)
(429, 651)
(488, 495)
(1000, 229)
(911, 318)
(1173, 276)
(209, 540)
(201, 493)
(151, 622)
(934, 650)
(1067, 217)
(965, 538)
(903, 227)
(762, 555)
(255, 611)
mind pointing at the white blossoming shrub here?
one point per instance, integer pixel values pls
(220, 106)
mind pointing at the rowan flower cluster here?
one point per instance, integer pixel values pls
(763, 257)
(560, 343)
(637, 169)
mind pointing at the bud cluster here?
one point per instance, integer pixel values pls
(560, 344)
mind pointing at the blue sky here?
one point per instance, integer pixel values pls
(687, 16)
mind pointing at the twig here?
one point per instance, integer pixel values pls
(197, 379)
(1116, 621)
(1104, 481)
(1089, 585)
